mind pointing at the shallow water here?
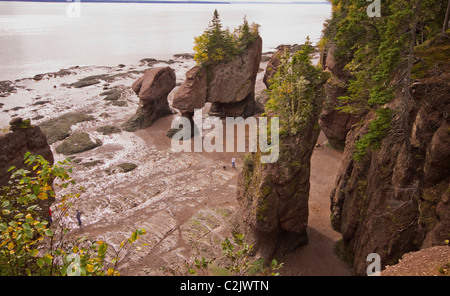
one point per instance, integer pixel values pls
(43, 37)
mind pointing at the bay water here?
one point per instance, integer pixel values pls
(44, 37)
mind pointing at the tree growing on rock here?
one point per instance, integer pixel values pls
(217, 44)
(294, 87)
(274, 197)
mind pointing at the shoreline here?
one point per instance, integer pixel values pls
(14, 94)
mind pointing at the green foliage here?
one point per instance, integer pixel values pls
(378, 128)
(30, 245)
(200, 267)
(374, 50)
(294, 89)
(216, 44)
(237, 253)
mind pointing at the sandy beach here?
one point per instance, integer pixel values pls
(183, 200)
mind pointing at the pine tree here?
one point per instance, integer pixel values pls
(217, 44)
(294, 89)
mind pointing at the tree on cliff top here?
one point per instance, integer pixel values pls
(294, 89)
(216, 44)
(378, 55)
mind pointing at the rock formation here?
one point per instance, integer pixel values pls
(23, 138)
(274, 63)
(152, 89)
(229, 86)
(334, 123)
(273, 197)
(397, 199)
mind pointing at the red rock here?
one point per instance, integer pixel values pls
(191, 94)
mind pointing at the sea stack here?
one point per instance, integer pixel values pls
(229, 86)
(152, 89)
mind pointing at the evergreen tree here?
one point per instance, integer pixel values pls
(373, 50)
(217, 44)
(294, 88)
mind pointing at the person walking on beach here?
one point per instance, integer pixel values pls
(233, 162)
(79, 217)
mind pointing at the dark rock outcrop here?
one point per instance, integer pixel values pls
(77, 143)
(274, 63)
(152, 89)
(334, 123)
(396, 200)
(14, 145)
(57, 129)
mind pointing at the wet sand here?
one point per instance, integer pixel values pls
(183, 200)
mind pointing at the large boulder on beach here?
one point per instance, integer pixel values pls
(156, 83)
(59, 128)
(77, 143)
(228, 85)
(152, 89)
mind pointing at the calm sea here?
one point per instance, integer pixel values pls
(44, 37)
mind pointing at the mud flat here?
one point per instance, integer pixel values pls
(134, 179)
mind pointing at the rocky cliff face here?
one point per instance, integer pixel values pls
(396, 199)
(23, 138)
(229, 86)
(334, 123)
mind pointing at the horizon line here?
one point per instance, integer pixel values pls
(170, 1)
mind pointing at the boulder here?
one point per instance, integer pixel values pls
(152, 89)
(77, 143)
(156, 83)
(59, 128)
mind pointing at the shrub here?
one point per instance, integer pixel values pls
(378, 129)
(28, 245)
